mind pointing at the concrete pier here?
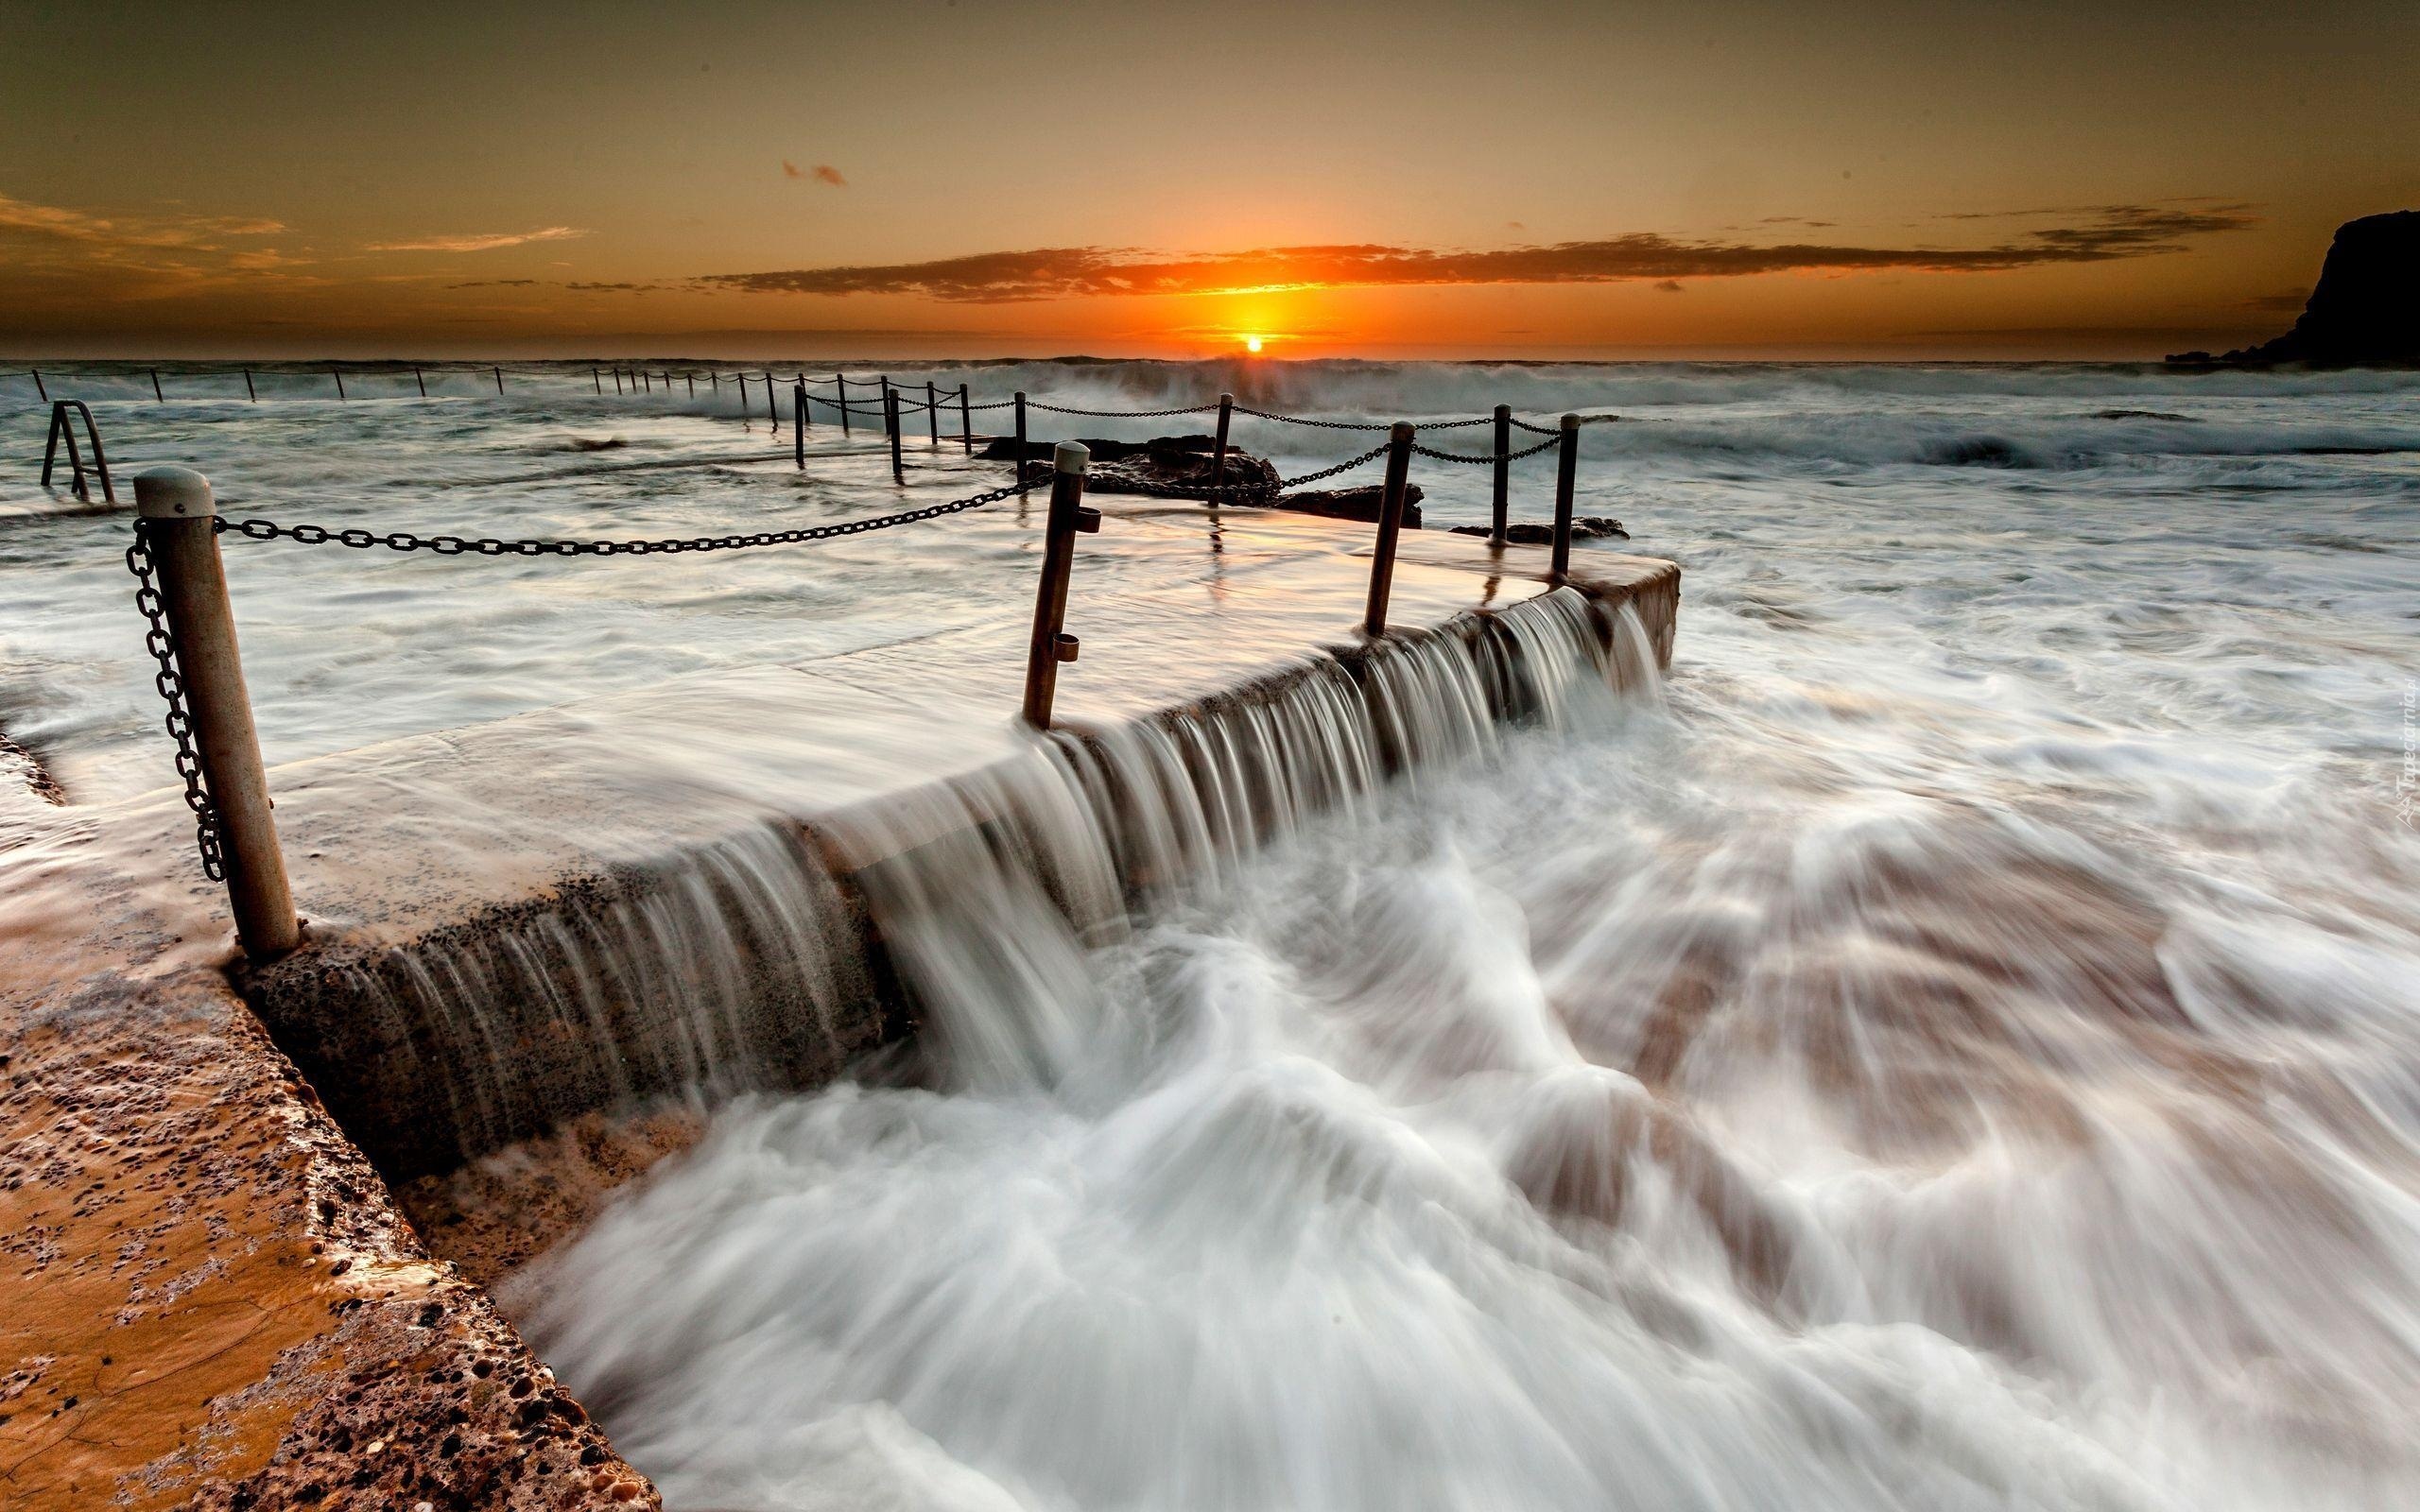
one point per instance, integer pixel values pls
(208, 1273)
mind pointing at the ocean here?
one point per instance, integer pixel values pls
(1952, 1042)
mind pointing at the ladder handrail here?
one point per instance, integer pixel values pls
(62, 430)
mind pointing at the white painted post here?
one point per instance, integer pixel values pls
(179, 524)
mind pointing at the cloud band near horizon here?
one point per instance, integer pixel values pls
(2104, 233)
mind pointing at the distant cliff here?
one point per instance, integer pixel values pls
(2366, 308)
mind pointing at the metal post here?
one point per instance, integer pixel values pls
(247, 387)
(891, 425)
(714, 380)
(1219, 458)
(840, 382)
(771, 413)
(1382, 560)
(179, 526)
(798, 427)
(805, 411)
(499, 380)
(692, 379)
(422, 382)
(965, 423)
(1050, 646)
(40, 387)
(334, 372)
(617, 382)
(157, 396)
(1021, 483)
(646, 378)
(1503, 475)
(1566, 473)
(597, 378)
(932, 412)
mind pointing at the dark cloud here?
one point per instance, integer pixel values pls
(1669, 285)
(2099, 234)
(821, 172)
(497, 283)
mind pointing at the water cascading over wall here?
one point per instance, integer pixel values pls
(766, 960)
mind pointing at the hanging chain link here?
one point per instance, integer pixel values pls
(161, 644)
(1120, 413)
(311, 535)
(1247, 491)
(1484, 459)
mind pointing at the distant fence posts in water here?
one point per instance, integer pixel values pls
(1382, 560)
(1497, 518)
(890, 427)
(599, 379)
(965, 423)
(333, 371)
(39, 388)
(1566, 473)
(156, 397)
(771, 413)
(499, 380)
(248, 391)
(1050, 645)
(179, 528)
(1021, 453)
(932, 413)
(797, 425)
(422, 381)
(1218, 454)
(841, 385)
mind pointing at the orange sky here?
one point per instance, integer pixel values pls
(1538, 180)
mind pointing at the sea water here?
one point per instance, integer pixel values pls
(1955, 1042)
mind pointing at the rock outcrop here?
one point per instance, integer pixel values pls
(1188, 462)
(1530, 533)
(2365, 309)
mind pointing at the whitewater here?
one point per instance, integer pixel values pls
(1953, 1042)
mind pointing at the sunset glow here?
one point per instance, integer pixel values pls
(1712, 183)
(1252, 343)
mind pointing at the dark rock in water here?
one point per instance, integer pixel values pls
(2366, 308)
(1004, 448)
(1352, 503)
(1188, 462)
(2152, 414)
(1528, 533)
(1165, 462)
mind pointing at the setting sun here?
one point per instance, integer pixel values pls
(1252, 343)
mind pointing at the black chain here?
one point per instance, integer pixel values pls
(1122, 414)
(1485, 457)
(1552, 430)
(171, 683)
(1255, 490)
(490, 547)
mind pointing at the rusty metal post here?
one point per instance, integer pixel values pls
(156, 397)
(1218, 458)
(333, 371)
(932, 413)
(422, 382)
(1497, 521)
(1069, 515)
(1566, 473)
(1382, 560)
(248, 392)
(890, 426)
(841, 382)
(797, 425)
(499, 380)
(180, 526)
(39, 388)
(1021, 483)
(965, 423)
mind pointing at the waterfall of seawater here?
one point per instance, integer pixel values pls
(1671, 1111)
(741, 966)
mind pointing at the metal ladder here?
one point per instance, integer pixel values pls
(63, 430)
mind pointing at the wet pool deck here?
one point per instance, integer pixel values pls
(208, 1289)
